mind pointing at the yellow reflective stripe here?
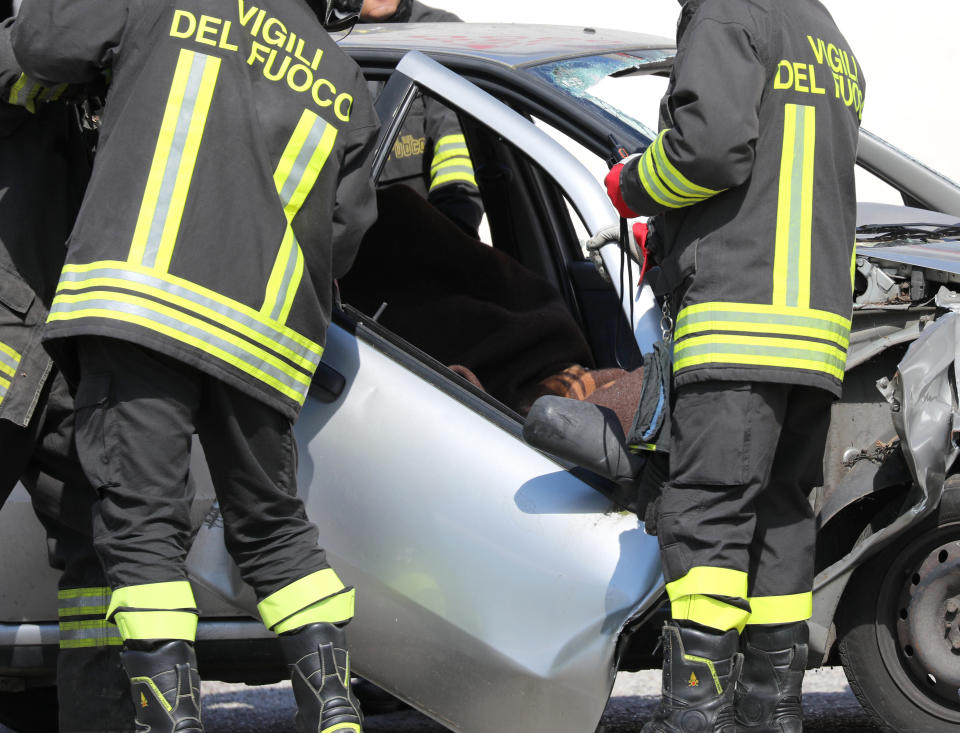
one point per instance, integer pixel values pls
(781, 609)
(687, 187)
(460, 176)
(183, 327)
(9, 369)
(853, 267)
(175, 155)
(178, 201)
(652, 184)
(306, 362)
(794, 238)
(88, 633)
(308, 174)
(710, 612)
(172, 595)
(707, 580)
(450, 140)
(298, 595)
(771, 319)
(96, 610)
(51, 94)
(710, 666)
(204, 301)
(333, 610)
(14, 97)
(759, 351)
(157, 624)
(304, 157)
(83, 593)
(448, 154)
(336, 728)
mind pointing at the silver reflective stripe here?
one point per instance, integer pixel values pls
(8, 363)
(306, 358)
(242, 358)
(303, 159)
(445, 169)
(88, 633)
(285, 284)
(172, 168)
(87, 605)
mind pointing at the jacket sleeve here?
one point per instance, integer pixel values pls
(356, 206)
(70, 41)
(452, 185)
(714, 103)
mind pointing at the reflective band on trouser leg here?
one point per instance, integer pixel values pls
(780, 609)
(690, 597)
(82, 614)
(279, 608)
(333, 610)
(155, 611)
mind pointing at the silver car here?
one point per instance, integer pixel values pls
(500, 587)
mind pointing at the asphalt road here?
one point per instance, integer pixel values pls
(829, 707)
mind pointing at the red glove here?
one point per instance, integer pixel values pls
(640, 233)
(612, 182)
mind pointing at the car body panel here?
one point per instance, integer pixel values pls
(514, 45)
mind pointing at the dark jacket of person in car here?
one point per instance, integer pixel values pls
(430, 155)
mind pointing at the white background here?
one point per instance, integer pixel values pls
(909, 50)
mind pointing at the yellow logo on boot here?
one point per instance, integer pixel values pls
(143, 701)
(694, 682)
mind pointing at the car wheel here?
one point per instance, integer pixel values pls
(899, 627)
(33, 710)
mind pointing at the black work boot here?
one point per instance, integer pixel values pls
(165, 687)
(768, 693)
(699, 672)
(320, 672)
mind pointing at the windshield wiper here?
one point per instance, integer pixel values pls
(877, 233)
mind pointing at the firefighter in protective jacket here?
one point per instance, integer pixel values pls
(231, 185)
(753, 170)
(430, 154)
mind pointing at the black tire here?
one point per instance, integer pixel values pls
(898, 627)
(32, 711)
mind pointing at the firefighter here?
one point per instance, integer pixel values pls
(44, 166)
(754, 170)
(430, 154)
(231, 185)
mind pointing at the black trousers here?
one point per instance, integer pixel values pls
(137, 411)
(736, 526)
(92, 688)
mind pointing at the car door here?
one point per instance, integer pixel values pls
(493, 582)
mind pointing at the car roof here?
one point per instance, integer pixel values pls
(510, 44)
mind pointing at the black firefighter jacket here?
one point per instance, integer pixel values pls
(43, 171)
(430, 154)
(754, 169)
(231, 182)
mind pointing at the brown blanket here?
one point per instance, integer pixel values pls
(462, 301)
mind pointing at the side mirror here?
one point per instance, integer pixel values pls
(584, 434)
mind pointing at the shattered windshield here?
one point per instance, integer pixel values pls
(626, 86)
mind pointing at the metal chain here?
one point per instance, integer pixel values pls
(666, 321)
